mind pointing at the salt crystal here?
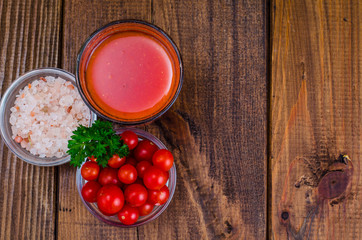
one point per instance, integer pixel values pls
(52, 125)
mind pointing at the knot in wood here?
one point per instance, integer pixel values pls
(285, 215)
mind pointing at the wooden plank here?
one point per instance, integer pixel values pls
(217, 127)
(81, 18)
(29, 39)
(220, 150)
(315, 117)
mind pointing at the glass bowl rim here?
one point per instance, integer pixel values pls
(162, 208)
(137, 122)
(3, 103)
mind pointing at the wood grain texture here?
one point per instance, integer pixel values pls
(80, 19)
(217, 127)
(29, 39)
(316, 116)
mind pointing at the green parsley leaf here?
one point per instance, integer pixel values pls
(99, 140)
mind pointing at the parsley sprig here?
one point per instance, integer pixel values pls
(99, 140)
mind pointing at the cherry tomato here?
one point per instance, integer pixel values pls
(136, 195)
(110, 200)
(116, 162)
(132, 161)
(89, 191)
(92, 158)
(154, 178)
(128, 215)
(144, 151)
(141, 168)
(163, 159)
(108, 175)
(130, 138)
(158, 197)
(127, 174)
(145, 209)
(90, 171)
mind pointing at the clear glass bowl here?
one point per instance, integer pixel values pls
(113, 220)
(7, 102)
(146, 29)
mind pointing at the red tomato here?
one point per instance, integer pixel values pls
(108, 175)
(136, 195)
(154, 178)
(90, 171)
(89, 191)
(158, 197)
(130, 138)
(127, 174)
(92, 158)
(163, 159)
(145, 209)
(144, 151)
(141, 168)
(132, 161)
(110, 200)
(128, 215)
(116, 162)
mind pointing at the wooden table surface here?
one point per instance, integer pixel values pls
(265, 132)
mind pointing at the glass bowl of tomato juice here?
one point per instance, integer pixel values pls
(129, 72)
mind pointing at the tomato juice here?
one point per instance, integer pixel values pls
(131, 74)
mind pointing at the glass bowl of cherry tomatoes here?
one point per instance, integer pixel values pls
(133, 190)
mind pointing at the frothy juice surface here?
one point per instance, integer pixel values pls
(130, 73)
